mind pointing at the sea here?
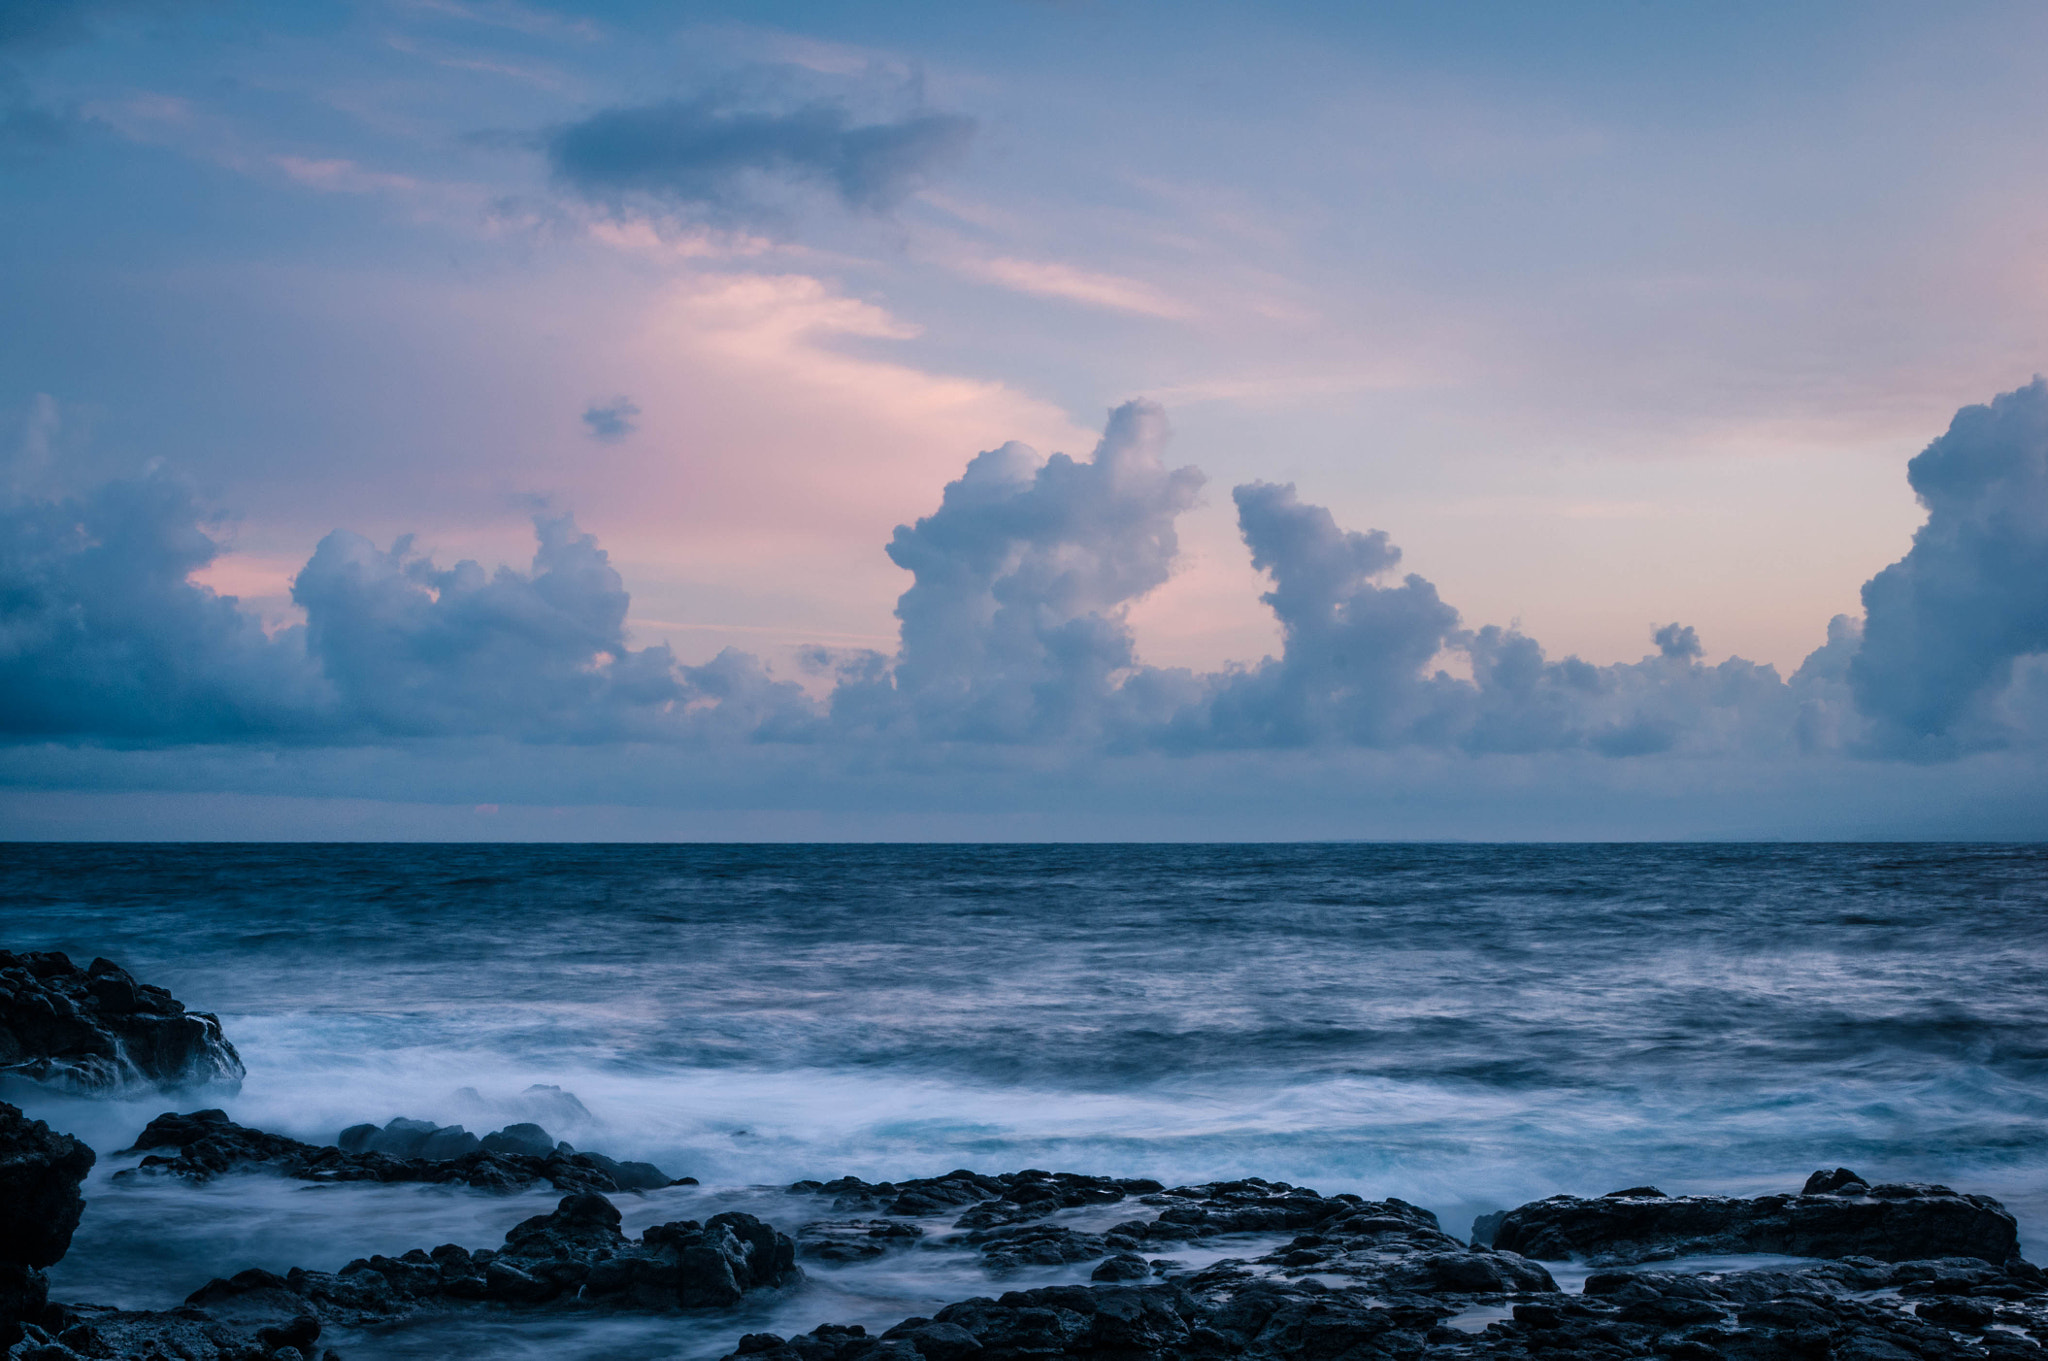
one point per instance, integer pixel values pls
(1467, 1027)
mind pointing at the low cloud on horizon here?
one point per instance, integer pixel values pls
(1015, 653)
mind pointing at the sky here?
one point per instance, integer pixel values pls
(460, 419)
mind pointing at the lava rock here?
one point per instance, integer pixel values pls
(97, 1031)
(1248, 1205)
(1016, 1246)
(1891, 1222)
(573, 1257)
(203, 1145)
(1011, 1198)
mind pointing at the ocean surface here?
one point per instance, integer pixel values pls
(1467, 1027)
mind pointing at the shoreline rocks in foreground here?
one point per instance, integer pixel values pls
(97, 1032)
(1357, 1280)
(40, 1207)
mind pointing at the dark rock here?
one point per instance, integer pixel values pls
(1020, 1245)
(205, 1144)
(40, 1171)
(1889, 1223)
(1249, 1205)
(1125, 1266)
(1952, 1312)
(572, 1257)
(854, 1240)
(96, 1031)
(525, 1137)
(994, 1201)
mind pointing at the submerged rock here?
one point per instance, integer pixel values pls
(96, 1031)
(1838, 1214)
(1011, 1198)
(206, 1144)
(854, 1240)
(40, 1172)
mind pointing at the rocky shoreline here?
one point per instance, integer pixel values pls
(1864, 1272)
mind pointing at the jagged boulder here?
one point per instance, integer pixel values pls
(96, 1031)
(40, 1172)
(1838, 1215)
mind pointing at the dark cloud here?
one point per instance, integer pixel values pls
(31, 24)
(1944, 625)
(707, 155)
(102, 636)
(611, 420)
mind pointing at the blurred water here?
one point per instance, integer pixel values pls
(1467, 1027)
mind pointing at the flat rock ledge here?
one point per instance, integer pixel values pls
(97, 1032)
(203, 1145)
(1836, 1214)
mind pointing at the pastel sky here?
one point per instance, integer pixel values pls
(1613, 325)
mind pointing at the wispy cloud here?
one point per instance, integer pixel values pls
(1050, 279)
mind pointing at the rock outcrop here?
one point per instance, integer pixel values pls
(1837, 1214)
(40, 1172)
(574, 1256)
(206, 1144)
(96, 1031)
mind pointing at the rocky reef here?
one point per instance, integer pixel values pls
(203, 1145)
(96, 1031)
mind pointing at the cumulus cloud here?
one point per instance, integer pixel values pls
(103, 636)
(1014, 626)
(1355, 649)
(1014, 637)
(611, 421)
(708, 155)
(1944, 625)
(415, 650)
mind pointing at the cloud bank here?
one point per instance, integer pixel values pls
(1015, 646)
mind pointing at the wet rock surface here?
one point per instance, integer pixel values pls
(1836, 1214)
(1367, 1279)
(1354, 1278)
(40, 1206)
(202, 1145)
(1008, 1198)
(575, 1255)
(96, 1031)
